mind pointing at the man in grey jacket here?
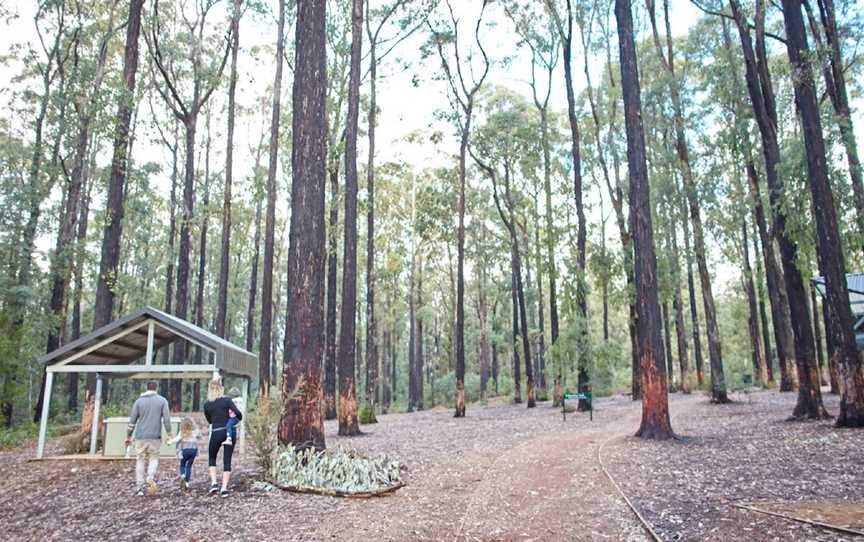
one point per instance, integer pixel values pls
(150, 414)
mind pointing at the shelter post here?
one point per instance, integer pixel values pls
(43, 422)
(151, 330)
(94, 429)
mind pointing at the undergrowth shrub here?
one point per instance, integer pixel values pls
(366, 415)
(261, 423)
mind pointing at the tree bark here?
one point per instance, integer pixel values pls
(330, 341)
(371, 323)
(758, 360)
(667, 342)
(348, 424)
(830, 247)
(655, 408)
(302, 423)
(817, 335)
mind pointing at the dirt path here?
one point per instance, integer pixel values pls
(502, 473)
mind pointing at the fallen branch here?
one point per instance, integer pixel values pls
(801, 520)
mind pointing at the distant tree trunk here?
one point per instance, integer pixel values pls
(412, 336)
(833, 376)
(172, 236)
(265, 342)
(777, 295)
(347, 340)
(830, 247)
(302, 423)
(817, 334)
(78, 291)
(483, 317)
(225, 255)
(371, 323)
(752, 313)
(253, 279)
(694, 315)
(667, 341)
(202, 261)
(330, 341)
(517, 378)
(418, 338)
(655, 407)
(113, 230)
(680, 328)
(763, 315)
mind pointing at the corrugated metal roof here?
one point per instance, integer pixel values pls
(855, 284)
(133, 345)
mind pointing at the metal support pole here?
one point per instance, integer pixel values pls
(43, 422)
(150, 332)
(94, 428)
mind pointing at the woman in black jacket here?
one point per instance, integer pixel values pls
(217, 410)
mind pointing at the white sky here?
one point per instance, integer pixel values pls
(405, 108)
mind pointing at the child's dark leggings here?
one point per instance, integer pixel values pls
(217, 437)
(187, 457)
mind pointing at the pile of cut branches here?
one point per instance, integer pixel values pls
(339, 472)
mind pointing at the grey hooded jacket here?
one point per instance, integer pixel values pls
(149, 414)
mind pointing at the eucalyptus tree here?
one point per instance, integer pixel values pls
(763, 103)
(302, 421)
(463, 86)
(185, 96)
(655, 401)
(830, 246)
(348, 424)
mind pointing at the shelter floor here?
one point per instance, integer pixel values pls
(503, 473)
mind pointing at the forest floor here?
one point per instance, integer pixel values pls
(502, 473)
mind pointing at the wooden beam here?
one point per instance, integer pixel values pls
(130, 369)
(99, 344)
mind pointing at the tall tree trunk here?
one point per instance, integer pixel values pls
(830, 246)
(575, 155)
(655, 402)
(347, 340)
(265, 342)
(302, 422)
(680, 328)
(114, 205)
(225, 254)
(330, 340)
(371, 323)
(412, 335)
(78, 291)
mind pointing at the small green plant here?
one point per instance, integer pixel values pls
(17, 435)
(366, 415)
(261, 423)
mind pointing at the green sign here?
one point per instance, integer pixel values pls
(585, 396)
(581, 396)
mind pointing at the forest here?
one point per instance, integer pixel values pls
(417, 208)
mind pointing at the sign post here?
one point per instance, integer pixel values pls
(586, 396)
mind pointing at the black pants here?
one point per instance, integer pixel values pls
(217, 437)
